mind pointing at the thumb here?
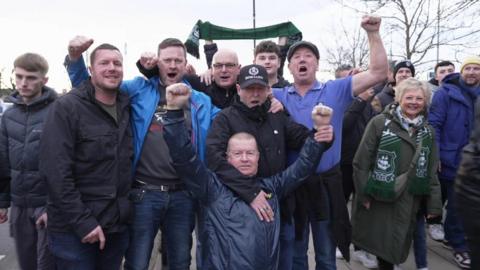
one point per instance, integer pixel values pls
(101, 238)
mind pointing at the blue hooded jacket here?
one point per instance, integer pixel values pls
(144, 98)
(451, 115)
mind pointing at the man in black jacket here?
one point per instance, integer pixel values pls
(274, 133)
(233, 237)
(20, 180)
(86, 155)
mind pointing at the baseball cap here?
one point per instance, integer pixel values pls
(252, 74)
(302, 44)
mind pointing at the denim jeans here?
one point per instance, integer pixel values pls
(174, 213)
(420, 241)
(323, 244)
(287, 245)
(71, 254)
(453, 226)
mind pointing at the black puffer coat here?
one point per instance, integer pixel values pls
(21, 129)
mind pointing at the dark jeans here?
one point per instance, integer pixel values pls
(71, 254)
(347, 180)
(420, 241)
(174, 213)
(30, 240)
(453, 226)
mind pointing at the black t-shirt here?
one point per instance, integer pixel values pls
(155, 164)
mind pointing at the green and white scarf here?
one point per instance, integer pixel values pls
(208, 31)
(381, 182)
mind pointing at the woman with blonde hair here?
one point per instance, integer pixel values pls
(394, 171)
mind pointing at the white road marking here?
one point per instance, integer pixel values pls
(1, 257)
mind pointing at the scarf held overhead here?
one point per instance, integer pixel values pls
(208, 31)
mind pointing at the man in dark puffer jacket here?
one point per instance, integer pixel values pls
(20, 181)
(234, 238)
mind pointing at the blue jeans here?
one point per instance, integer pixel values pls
(287, 245)
(173, 213)
(420, 241)
(453, 226)
(71, 254)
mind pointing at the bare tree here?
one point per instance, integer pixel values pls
(350, 48)
(418, 27)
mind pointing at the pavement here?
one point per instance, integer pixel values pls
(439, 258)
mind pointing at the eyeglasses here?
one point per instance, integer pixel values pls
(241, 154)
(226, 65)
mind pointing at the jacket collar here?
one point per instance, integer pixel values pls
(48, 95)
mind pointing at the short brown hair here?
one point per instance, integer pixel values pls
(32, 62)
(172, 42)
(104, 46)
(267, 46)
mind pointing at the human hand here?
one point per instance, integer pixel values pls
(365, 95)
(261, 206)
(324, 134)
(148, 60)
(190, 70)
(432, 216)
(366, 204)
(42, 221)
(206, 77)
(77, 46)
(321, 115)
(3, 215)
(96, 235)
(371, 23)
(177, 96)
(275, 106)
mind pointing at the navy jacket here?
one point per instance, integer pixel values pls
(21, 129)
(232, 235)
(452, 116)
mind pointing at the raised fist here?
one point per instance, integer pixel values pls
(77, 46)
(371, 23)
(148, 60)
(321, 115)
(177, 96)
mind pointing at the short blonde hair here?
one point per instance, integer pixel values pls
(413, 84)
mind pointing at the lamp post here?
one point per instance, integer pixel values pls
(254, 39)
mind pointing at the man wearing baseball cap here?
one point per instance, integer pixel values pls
(232, 237)
(320, 203)
(452, 116)
(275, 133)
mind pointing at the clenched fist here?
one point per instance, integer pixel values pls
(177, 96)
(371, 23)
(77, 46)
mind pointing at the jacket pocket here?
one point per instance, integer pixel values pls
(449, 153)
(97, 143)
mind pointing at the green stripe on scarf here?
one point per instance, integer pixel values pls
(208, 31)
(381, 182)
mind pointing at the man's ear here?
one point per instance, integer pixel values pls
(45, 80)
(90, 70)
(238, 88)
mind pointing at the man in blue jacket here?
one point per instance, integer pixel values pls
(159, 195)
(452, 116)
(235, 238)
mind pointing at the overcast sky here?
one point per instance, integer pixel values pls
(45, 27)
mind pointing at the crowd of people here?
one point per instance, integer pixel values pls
(251, 162)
